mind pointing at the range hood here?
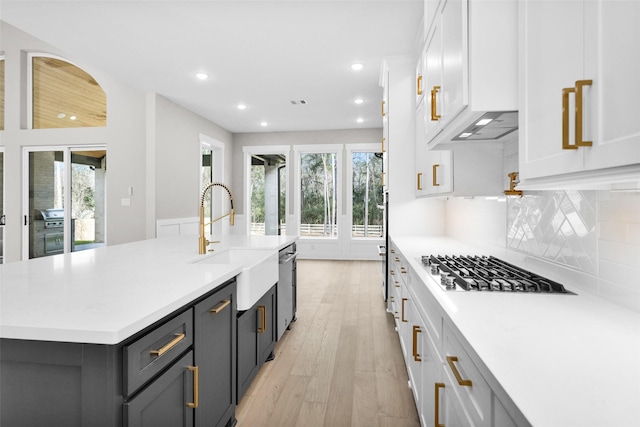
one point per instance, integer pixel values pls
(489, 127)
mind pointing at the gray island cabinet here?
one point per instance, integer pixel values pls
(177, 372)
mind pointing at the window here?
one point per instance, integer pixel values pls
(319, 194)
(64, 96)
(268, 194)
(366, 186)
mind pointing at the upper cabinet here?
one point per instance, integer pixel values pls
(469, 67)
(579, 87)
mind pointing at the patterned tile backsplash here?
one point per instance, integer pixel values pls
(558, 226)
(594, 232)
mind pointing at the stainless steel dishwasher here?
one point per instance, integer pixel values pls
(286, 289)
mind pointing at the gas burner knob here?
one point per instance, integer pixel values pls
(443, 277)
(450, 283)
(425, 260)
(434, 268)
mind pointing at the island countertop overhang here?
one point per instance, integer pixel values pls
(106, 295)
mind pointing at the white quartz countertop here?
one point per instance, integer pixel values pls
(105, 295)
(564, 360)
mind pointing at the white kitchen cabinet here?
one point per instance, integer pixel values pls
(434, 168)
(470, 66)
(579, 89)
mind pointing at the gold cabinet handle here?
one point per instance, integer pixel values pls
(263, 319)
(395, 315)
(383, 179)
(434, 115)
(419, 85)
(437, 405)
(403, 270)
(196, 388)
(393, 251)
(434, 171)
(383, 112)
(396, 259)
(565, 119)
(579, 85)
(221, 306)
(416, 355)
(396, 284)
(383, 150)
(403, 301)
(450, 360)
(419, 180)
(392, 272)
(391, 298)
(169, 345)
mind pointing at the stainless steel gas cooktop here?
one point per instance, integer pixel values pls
(487, 274)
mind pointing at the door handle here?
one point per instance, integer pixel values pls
(263, 319)
(196, 388)
(221, 306)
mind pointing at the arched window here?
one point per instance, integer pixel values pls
(64, 96)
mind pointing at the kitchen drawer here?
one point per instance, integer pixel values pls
(468, 384)
(429, 309)
(151, 353)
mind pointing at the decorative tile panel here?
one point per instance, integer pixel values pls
(558, 226)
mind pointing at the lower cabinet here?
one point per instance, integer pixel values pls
(256, 339)
(198, 388)
(448, 387)
(163, 402)
(178, 372)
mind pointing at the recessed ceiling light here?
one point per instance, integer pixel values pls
(263, 124)
(62, 115)
(359, 120)
(359, 101)
(357, 67)
(241, 107)
(483, 122)
(202, 76)
(72, 117)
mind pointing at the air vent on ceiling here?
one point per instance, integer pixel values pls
(300, 102)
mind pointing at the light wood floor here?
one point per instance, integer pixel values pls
(341, 363)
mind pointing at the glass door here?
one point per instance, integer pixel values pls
(65, 200)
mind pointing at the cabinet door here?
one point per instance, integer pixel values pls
(433, 81)
(440, 176)
(164, 402)
(215, 328)
(454, 94)
(266, 326)
(421, 150)
(247, 350)
(613, 46)
(551, 59)
(430, 373)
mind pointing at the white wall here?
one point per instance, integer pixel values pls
(152, 146)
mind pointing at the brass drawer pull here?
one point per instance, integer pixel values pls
(169, 345)
(434, 92)
(403, 301)
(437, 404)
(565, 119)
(419, 181)
(218, 308)
(435, 175)
(383, 150)
(383, 112)
(579, 85)
(396, 284)
(403, 270)
(456, 373)
(419, 85)
(416, 355)
(196, 388)
(263, 319)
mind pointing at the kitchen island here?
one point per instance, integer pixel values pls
(87, 335)
(529, 358)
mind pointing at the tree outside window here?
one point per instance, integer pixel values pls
(319, 211)
(367, 195)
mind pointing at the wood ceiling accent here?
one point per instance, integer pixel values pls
(62, 88)
(1, 94)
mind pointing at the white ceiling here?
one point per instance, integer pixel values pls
(263, 54)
